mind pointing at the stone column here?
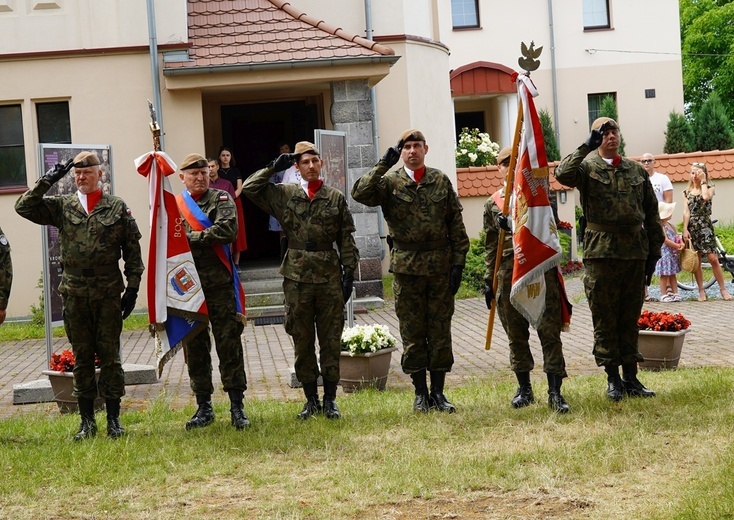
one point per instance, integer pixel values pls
(351, 112)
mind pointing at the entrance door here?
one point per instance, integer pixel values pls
(254, 132)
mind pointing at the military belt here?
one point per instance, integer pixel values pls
(92, 271)
(421, 246)
(613, 229)
(311, 246)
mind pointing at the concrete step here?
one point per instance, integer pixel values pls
(259, 272)
(265, 285)
(360, 305)
(39, 391)
(264, 299)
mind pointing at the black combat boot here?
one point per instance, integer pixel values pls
(330, 409)
(524, 395)
(237, 409)
(312, 406)
(615, 391)
(204, 415)
(114, 429)
(422, 401)
(555, 400)
(436, 398)
(88, 426)
(631, 385)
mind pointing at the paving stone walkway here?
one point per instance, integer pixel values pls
(269, 353)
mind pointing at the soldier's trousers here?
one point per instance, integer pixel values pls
(616, 291)
(93, 328)
(227, 330)
(310, 309)
(424, 306)
(517, 327)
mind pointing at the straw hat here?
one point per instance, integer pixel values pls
(665, 209)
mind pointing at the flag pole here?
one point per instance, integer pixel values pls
(509, 181)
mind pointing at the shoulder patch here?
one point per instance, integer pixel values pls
(3, 240)
(128, 211)
(223, 197)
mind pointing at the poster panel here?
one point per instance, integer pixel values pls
(333, 148)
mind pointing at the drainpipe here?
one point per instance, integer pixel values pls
(553, 72)
(154, 67)
(373, 102)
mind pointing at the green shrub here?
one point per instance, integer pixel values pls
(549, 136)
(565, 245)
(726, 235)
(474, 269)
(711, 127)
(679, 134)
(38, 313)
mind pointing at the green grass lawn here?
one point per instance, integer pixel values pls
(662, 458)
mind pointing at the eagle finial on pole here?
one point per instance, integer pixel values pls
(529, 60)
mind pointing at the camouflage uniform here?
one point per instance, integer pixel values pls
(216, 282)
(6, 271)
(312, 284)
(91, 246)
(429, 238)
(621, 209)
(516, 326)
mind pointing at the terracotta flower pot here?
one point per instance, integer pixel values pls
(365, 370)
(661, 350)
(62, 384)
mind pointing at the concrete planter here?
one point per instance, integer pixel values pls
(365, 370)
(661, 350)
(62, 385)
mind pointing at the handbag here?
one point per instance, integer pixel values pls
(689, 258)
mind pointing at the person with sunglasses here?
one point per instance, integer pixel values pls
(660, 182)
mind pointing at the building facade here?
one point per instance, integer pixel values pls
(250, 74)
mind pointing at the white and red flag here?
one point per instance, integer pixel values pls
(535, 236)
(176, 304)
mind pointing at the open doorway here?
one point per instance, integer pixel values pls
(254, 133)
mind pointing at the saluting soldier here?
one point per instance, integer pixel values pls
(428, 252)
(622, 243)
(516, 326)
(210, 219)
(95, 230)
(6, 274)
(317, 278)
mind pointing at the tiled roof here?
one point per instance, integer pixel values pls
(482, 181)
(719, 164)
(250, 32)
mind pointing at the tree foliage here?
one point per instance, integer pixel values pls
(549, 136)
(679, 134)
(711, 127)
(707, 44)
(608, 108)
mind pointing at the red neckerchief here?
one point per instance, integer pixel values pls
(313, 187)
(196, 197)
(616, 161)
(418, 174)
(92, 200)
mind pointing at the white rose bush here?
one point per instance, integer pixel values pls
(475, 148)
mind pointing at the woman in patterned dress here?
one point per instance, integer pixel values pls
(698, 228)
